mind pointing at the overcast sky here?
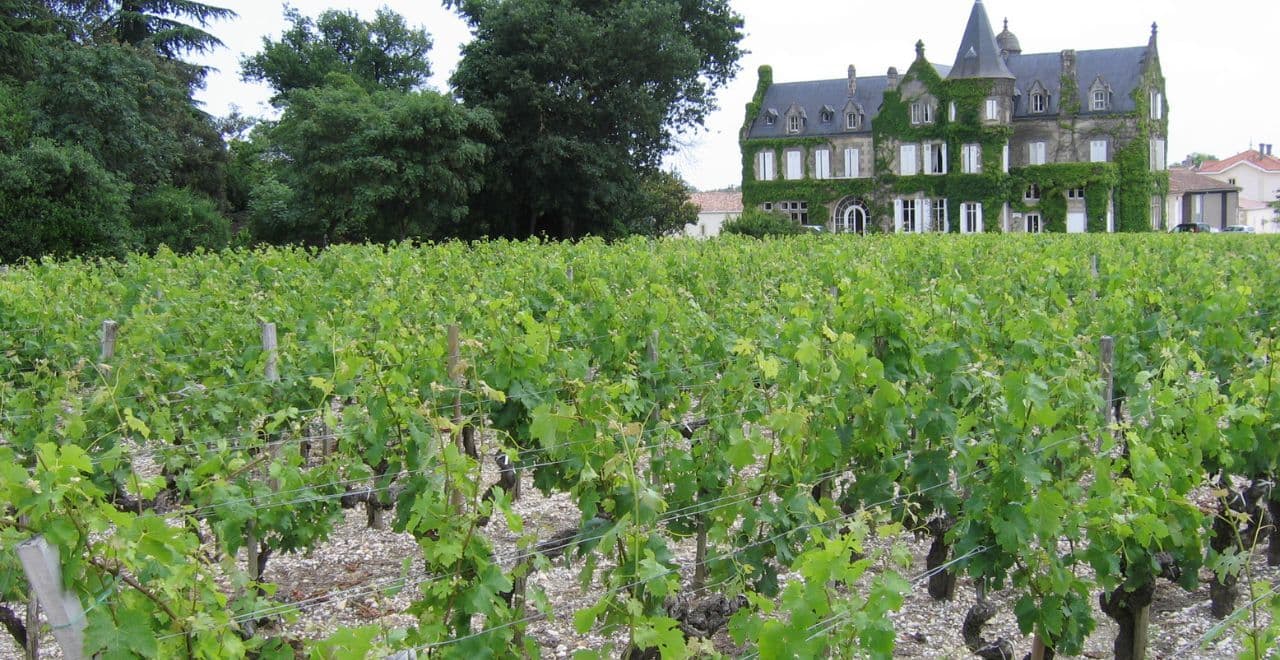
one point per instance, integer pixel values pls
(1218, 57)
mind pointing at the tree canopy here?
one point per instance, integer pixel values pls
(384, 53)
(589, 96)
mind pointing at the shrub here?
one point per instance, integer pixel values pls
(754, 222)
(181, 219)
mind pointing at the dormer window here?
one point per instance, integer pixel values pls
(1099, 95)
(828, 114)
(921, 113)
(1039, 102)
(1157, 104)
(770, 117)
(852, 121)
(795, 123)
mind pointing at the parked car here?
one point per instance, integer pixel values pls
(1238, 229)
(1193, 228)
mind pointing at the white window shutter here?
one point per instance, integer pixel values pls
(951, 111)
(856, 159)
(926, 212)
(946, 216)
(1004, 158)
(979, 205)
(907, 158)
(928, 158)
(897, 216)
(944, 157)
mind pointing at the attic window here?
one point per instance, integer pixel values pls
(771, 118)
(852, 121)
(828, 114)
(1100, 100)
(794, 123)
(1039, 102)
(921, 113)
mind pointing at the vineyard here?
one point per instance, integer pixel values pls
(749, 439)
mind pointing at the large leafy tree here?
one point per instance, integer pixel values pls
(589, 97)
(385, 53)
(347, 164)
(168, 28)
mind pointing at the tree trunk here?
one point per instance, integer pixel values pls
(1128, 609)
(942, 583)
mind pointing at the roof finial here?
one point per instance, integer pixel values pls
(920, 49)
(1006, 23)
(1154, 28)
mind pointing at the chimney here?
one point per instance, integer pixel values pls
(1069, 63)
(853, 80)
(893, 78)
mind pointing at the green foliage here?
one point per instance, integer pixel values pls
(664, 208)
(58, 200)
(156, 25)
(760, 224)
(180, 219)
(352, 165)
(588, 97)
(382, 54)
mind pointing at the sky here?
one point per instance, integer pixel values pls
(1219, 59)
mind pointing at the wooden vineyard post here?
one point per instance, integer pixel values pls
(1106, 368)
(651, 352)
(65, 613)
(455, 363)
(569, 274)
(1093, 265)
(109, 331)
(33, 611)
(271, 373)
(1037, 648)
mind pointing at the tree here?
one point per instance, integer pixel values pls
(1196, 159)
(664, 207)
(588, 96)
(163, 27)
(384, 53)
(59, 200)
(347, 164)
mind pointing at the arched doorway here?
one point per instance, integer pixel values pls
(851, 217)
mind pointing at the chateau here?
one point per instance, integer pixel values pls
(1068, 141)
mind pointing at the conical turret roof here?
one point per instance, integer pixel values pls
(979, 54)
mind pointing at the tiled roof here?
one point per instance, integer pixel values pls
(1252, 156)
(717, 202)
(1252, 204)
(1185, 181)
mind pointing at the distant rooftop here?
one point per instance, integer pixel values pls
(717, 202)
(1264, 162)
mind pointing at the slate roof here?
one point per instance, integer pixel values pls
(1185, 181)
(1253, 157)
(979, 54)
(1121, 68)
(717, 202)
(811, 96)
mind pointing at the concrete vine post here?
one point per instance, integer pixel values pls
(42, 565)
(651, 352)
(455, 377)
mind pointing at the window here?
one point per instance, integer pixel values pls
(1231, 181)
(1032, 224)
(771, 118)
(850, 217)
(910, 216)
(921, 113)
(795, 165)
(1100, 97)
(951, 111)
(935, 158)
(797, 211)
(794, 123)
(1098, 151)
(970, 218)
(764, 165)
(851, 163)
(827, 116)
(971, 159)
(1036, 153)
(1197, 208)
(1157, 104)
(907, 161)
(1158, 155)
(852, 121)
(1032, 194)
(1075, 193)
(993, 109)
(1039, 102)
(822, 164)
(1004, 158)
(768, 206)
(940, 220)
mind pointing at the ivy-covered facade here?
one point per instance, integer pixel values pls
(1070, 141)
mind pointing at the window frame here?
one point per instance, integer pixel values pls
(1027, 223)
(993, 109)
(793, 157)
(852, 121)
(921, 113)
(971, 218)
(1032, 193)
(794, 124)
(971, 158)
(1037, 152)
(1096, 146)
(1039, 103)
(1099, 101)
(911, 205)
(766, 169)
(903, 160)
(822, 163)
(852, 162)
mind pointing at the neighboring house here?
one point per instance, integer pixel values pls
(714, 209)
(1194, 197)
(1259, 215)
(1257, 173)
(999, 141)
